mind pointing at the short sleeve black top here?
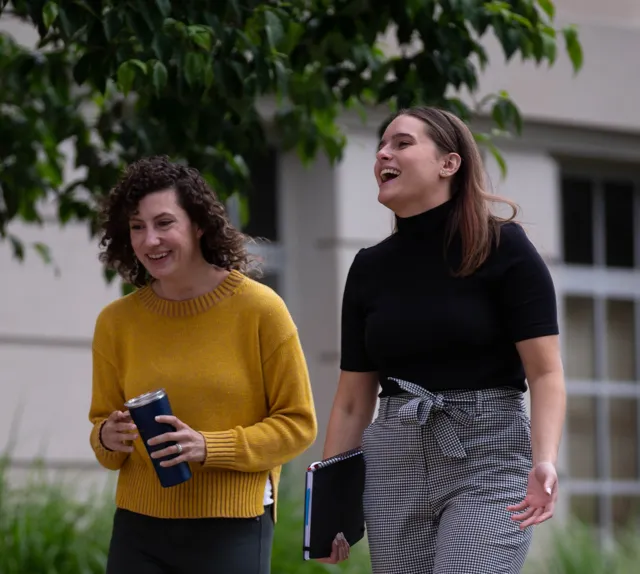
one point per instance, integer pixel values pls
(405, 315)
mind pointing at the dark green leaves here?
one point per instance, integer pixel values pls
(189, 78)
(127, 73)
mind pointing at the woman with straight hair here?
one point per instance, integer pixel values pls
(454, 317)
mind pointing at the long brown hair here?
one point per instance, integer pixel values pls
(472, 218)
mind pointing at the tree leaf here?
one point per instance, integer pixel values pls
(126, 77)
(127, 288)
(17, 247)
(193, 68)
(548, 7)
(574, 48)
(138, 64)
(43, 251)
(201, 36)
(159, 77)
(49, 13)
(274, 28)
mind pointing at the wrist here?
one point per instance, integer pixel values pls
(203, 449)
(549, 460)
(104, 446)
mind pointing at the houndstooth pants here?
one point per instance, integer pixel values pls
(440, 471)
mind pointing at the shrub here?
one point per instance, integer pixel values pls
(45, 528)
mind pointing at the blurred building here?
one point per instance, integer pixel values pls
(575, 173)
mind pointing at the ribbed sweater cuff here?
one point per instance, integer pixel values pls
(110, 459)
(221, 448)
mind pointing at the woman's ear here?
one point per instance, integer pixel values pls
(450, 165)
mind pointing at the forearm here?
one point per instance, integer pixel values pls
(272, 442)
(345, 429)
(548, 406)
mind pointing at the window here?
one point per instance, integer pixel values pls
(598, 219)
(260, 203)
(600, 284)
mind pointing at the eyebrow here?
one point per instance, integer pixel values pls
(134, 215)
(397, 136)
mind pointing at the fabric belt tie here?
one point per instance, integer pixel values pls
(427, 404)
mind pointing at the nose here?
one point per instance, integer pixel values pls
(151, 238)
(383, 154)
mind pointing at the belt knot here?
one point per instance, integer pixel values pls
(425, 405)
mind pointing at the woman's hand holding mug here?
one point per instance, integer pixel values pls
(116, 430)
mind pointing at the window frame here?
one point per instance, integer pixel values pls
(602, 283)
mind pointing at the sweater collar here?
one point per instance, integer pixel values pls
(428, 223)
(229, 285)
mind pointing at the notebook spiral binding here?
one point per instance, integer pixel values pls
(339, 457)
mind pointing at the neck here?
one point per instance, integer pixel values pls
(201, 279)
(429, 201)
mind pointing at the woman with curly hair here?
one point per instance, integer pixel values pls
(226, 351)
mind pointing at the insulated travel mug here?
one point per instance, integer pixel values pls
(144, 410)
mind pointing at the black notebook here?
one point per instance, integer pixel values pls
(333, 503)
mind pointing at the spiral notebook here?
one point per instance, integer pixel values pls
(333, 503)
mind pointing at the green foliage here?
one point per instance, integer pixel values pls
(575, 549)
(46, 529)
(120, 80)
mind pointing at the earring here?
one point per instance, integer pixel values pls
(443, 173)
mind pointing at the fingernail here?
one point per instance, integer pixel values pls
(548, 490)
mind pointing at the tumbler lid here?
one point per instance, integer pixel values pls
(145, 399)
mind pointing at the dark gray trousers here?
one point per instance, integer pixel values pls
(441, 469)
(146, 545)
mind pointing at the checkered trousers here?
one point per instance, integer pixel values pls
(440, 471)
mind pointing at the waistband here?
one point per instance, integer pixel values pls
(416, 406)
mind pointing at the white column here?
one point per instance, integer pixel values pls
(307, 212)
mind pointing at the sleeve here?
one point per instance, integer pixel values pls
(290, 427)
(527, 293)
(106, 397)
(353, 351)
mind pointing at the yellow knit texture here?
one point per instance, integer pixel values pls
(233, 368)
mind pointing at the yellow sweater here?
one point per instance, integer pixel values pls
(233, 368)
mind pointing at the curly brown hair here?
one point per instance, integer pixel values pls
(221, 243)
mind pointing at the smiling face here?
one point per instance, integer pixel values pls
(163, 237)
(413, 174)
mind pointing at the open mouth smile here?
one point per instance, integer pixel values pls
(388, 173)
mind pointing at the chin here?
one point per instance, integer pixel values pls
(160, 274)
(389, 198)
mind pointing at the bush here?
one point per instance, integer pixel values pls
(575, 549)
(46, 529)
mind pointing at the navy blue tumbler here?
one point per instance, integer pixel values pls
(144, 410)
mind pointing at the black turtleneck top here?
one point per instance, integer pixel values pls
(406, 316)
